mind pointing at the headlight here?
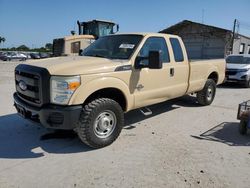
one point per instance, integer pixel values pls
(62, 88)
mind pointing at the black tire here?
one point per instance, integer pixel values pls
(89, 131)
(247, 84)
(206, 95)
(243, 127)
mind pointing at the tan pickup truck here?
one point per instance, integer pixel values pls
(117, 73)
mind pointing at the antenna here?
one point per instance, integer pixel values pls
(202, 15)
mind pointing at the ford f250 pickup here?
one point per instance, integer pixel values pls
(117, 73)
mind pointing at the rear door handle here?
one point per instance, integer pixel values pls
(171, 72)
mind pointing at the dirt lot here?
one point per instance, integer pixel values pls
(180, 145)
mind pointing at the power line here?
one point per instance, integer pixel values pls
(244, 25)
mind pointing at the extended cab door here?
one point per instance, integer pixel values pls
(181, 68)
(156, 85)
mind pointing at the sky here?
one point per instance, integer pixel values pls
(37, 22)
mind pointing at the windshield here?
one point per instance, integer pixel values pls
(238, 60)
(113, 46)
(105, 29)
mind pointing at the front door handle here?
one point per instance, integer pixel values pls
(139, 87)
(171, 72)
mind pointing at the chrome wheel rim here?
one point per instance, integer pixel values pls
(105, 124)
(210, 93)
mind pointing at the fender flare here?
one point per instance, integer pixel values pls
(211, 70)
(86, 89)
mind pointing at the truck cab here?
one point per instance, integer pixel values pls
(87, 33)
(97, 28)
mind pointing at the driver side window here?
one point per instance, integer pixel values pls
(154, 44)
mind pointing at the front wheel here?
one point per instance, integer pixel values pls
(206, 95)
(100, 123)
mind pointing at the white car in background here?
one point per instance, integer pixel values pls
(238, 69)
(13, 56)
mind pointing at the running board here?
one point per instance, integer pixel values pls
(146, 111)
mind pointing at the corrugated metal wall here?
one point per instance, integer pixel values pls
(203, 42)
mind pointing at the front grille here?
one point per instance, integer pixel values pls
(34, 83)
(231, 72)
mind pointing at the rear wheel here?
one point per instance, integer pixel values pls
(101, 122)
(206, 95)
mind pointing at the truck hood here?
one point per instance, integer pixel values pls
(77, 65)
(237, 66)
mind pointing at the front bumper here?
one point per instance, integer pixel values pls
(50, 116)
(238, 78)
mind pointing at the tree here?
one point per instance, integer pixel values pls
(2, 40)
(22, 48)
(49, 46)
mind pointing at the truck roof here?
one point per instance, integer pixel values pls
(98, 20)
(148, 34)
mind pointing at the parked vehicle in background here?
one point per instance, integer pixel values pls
(238, 69)
(115, 74)
(27, 54)
(2, 55)
(87, 33)
(35, 56)
(44, 55)
(13, 56)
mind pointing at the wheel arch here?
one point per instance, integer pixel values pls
(112, 88)
(214, 76)
(111, 93)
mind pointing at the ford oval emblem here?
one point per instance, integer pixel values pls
(22, 85)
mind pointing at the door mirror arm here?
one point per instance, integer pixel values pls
(138, 62)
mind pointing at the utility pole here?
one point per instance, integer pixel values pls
(234, 28)
(202, 16)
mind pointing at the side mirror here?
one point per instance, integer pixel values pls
(153, 58)
(154, 61)
(117, 28)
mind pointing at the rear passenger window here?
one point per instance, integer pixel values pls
(178, 54)
(155, 44)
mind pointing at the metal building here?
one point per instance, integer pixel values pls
(208, 42)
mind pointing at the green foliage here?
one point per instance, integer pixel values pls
(2, 39)
(22, 48)
(49, 46)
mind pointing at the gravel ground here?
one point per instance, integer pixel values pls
(180, 145)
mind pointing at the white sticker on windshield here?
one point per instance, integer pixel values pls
(127, 46)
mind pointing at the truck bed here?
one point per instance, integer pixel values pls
(200, 71)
